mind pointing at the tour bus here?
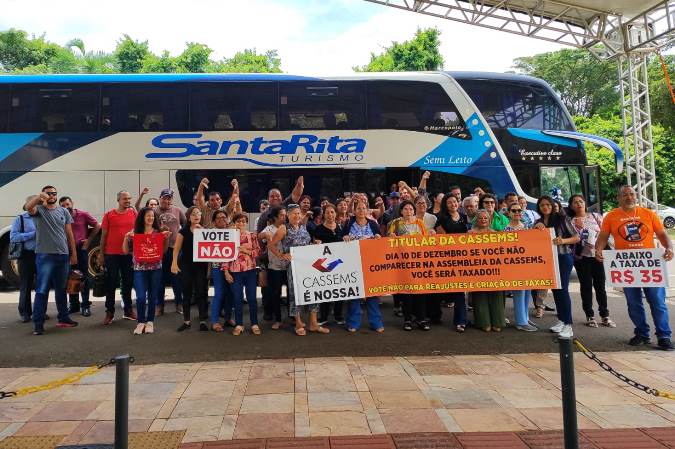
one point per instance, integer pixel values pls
(91, 136)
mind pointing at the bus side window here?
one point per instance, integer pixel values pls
(415, 106)
(236, 106)
(144, 108)
(4, 107)
(54, 108)
(322, 105)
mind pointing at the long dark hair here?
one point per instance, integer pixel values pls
(444, 205)
(139, 224)
(570, 211)
(555, 216)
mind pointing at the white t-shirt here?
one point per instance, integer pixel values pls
(429, 221)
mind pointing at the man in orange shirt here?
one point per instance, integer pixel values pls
(633, 227)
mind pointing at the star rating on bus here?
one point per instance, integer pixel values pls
(541, 158)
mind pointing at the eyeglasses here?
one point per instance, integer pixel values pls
(516, 211)
(51, 193)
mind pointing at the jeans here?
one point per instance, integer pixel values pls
(561, 296)
(373, 309)
(275, 279)
(656, 297)
(52, 269)
(168, 278)
(459, 317)
(27, 273)
(521, 298)
(118, 266)
(83, 266)
(245, 281)
(147, 284)
(591, 275)
(193, 278)
(222, 297)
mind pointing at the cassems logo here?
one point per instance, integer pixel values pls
(299, 149)
(320, 264)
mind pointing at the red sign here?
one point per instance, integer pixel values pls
(148, 247)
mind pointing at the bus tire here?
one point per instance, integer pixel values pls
(10, 268)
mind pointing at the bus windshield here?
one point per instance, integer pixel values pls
(509, 104)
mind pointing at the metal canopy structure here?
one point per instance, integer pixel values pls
(627, 30)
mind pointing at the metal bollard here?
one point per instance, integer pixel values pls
(569, 397)
(122, 401)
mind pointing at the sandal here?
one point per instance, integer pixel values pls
(539, 313)
(300, 331)
(496, 329)
(256, 329)
(379, 330)
(217, 327)
(607, 321)
(238, 330)
(424, 325)
(487, 329)
(276, 326)
(320, 330)
(352, 330)
(590, 322)
(460, 328)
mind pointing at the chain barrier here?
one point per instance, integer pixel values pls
(605, 366)
(71, 379)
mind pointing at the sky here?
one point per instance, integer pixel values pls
(313, 37)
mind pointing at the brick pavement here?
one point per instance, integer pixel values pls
(389, 398)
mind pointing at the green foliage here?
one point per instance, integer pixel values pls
(663, 108)
(249, 61)
(586, 85)
(195, 58)
(130, 54)
(610, 181)
(417, 54)
(21, 54)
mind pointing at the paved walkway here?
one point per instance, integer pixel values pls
(342, 396)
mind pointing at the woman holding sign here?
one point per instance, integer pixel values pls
(193, 274)
(147, 244)
(293, 234)
(488, 307)
(361, 227)
(242, 276)
(409, 224)
(222, 296)
(591, 273)
(565, 239)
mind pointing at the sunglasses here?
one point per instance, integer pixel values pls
(516, 211)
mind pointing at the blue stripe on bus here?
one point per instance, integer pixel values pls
(41, 149)
(9, 143)
(535, 134)
(149, 77)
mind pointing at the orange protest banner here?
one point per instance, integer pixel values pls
(518, 260)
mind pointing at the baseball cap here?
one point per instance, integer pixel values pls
(394, 195)
(166, 192)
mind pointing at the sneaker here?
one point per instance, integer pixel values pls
(109, 317)
(149, 327)
(639, 340)
(39, 331)
(557, 327)
(140, 327)
(665, 344)
(203, 327)
(66, 323)
(566, 332)
(527, 328)
(86, 311)
(184, 327)
(130, 315)
(507, 321)
(407, 326)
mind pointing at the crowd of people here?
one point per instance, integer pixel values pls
(56, 236)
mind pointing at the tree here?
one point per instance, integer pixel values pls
(249, 61)
(195, 58)
(586, 85)
(18, 52)
(130, 54)
(417, 54)
(662, 106)
(162, 64)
